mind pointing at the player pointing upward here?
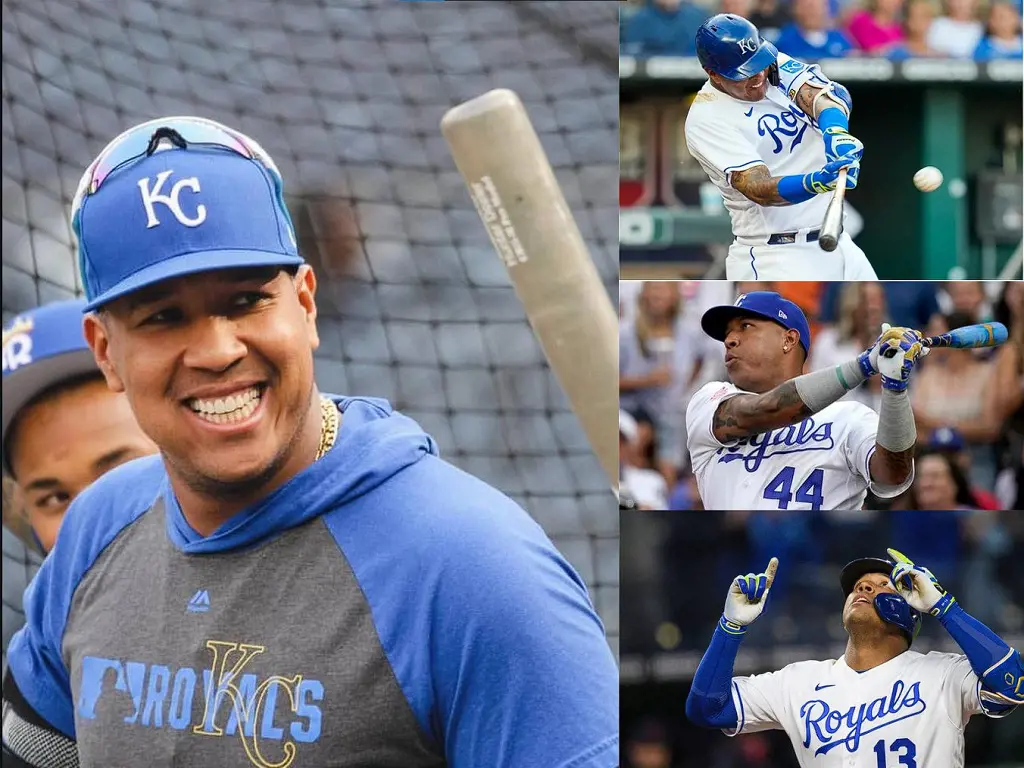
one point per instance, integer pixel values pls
(771, 438)
(772, 133)
(880, 703)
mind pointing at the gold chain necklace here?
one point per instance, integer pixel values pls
(328, 426)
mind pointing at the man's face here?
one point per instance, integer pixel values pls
(63, 442)
(218, 368)
(751, 89)
(754, 352)
(859, 608)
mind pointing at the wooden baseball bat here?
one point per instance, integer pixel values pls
(976, 336)
(517, 196)
(832, 224)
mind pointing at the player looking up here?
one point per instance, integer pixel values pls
(771, 438)
(878, 704)
(772, 133)
(297, 578)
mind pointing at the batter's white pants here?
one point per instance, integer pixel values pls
(748, 260)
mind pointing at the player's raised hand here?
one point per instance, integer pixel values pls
(748, 595)
(840, 144)
(824, 181)
(918, 586)
(899, 350)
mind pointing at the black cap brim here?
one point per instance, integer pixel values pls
(854, 570)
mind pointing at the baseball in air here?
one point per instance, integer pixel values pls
(928, 179)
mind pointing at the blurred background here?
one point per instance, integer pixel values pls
(414, 304)
(968, 404)
(934, 82)
(676, 571)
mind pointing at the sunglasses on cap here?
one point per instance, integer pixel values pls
(167, 133)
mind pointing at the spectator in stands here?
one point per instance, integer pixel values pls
(968, 298)
(877, 29)
(811, 35)
(769, 16)
(939, 483)
(950, 441)
(957, 33)
(862, 310)
(637, 445)
(916, 25)
(662, 28)
(1002, 38)
(658, 362)
(950, 390)
(1007, 392)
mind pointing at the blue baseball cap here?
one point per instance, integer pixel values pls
(946, 439)
(42, 348)
(765, 304)
(178, 208)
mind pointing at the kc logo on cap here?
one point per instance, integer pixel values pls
(17, 344)
(151, 197)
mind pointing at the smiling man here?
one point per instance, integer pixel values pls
(880, 703)
(771, 438)
(297, 579)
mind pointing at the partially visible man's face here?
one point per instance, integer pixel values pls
(218, 368)
(63, 442)
(754, 353)
(753, 88)
(859, 608)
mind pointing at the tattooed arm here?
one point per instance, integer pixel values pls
(806, 99)
(758, 184)
(746, 415)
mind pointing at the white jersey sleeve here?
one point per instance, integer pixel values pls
(793, 74)
(719, 146)
(961, 689)
(760, 701)
(860, 447)
(700, 414)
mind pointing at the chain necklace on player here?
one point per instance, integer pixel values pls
(329, 426)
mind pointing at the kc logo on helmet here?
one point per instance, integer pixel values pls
(150, 197)
(747, 46)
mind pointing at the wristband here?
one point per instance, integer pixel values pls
(833, 117)
(793, 190)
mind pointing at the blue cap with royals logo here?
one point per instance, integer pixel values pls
(42, 348)
(765, 304)
(179, 211)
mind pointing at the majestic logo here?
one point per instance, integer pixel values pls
(150, 197)
(747, 46)
(791, 123)
(808, 435)
(269, 716)
(831, 728)
(17, 344)
(200, 602)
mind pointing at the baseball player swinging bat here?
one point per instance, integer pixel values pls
(516, 194)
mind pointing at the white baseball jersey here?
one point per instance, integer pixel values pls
(821, 463)
(909, 712)
(726, 135)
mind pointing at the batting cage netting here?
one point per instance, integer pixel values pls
(347, 97)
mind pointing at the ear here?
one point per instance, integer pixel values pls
(305, 292)
(792, 339)
(98, 339)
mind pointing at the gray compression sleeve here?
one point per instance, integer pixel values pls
(897, 431)
(822, 388)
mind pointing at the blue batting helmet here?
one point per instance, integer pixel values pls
(731, 46)
(891, 608)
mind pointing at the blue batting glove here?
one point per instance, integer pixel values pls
(839, 144)
(824, 181)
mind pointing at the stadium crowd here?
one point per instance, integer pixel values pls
(820, 29)
(969, 405)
